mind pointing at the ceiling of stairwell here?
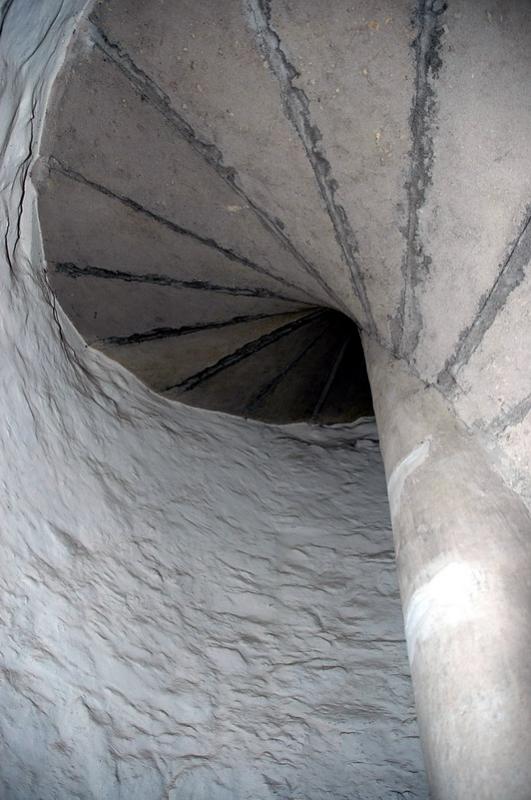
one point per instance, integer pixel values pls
(218, 285)
(227, 188)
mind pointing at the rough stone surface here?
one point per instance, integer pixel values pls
(356, 68)
(375, 159)
(480, 180)
(217, 79)
(150, 237)
(115, 686)
(193, 607)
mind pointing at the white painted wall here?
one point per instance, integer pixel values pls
(193, 607)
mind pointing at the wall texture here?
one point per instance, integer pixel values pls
(193, 607)
(376, 159)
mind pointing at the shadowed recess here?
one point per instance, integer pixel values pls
(164, 265)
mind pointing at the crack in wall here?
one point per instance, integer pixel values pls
(22, 174)
(3, 14)
(416, 263)
(296, 107)
(155, 95)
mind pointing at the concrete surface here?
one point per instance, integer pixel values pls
(463, 552)
(358, 160)
(193, 605)
(227, 193)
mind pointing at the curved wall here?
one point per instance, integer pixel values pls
(197, 606)
(193, 606)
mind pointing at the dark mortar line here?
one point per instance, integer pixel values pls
(58, 166)
(510, 276)
(157, 279)
(277, 380)
(150, 91)
(248, 349)
(512, 417)
(331, 378)
(296, 107)
(184, 330)
(416, 264)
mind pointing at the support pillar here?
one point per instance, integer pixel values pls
(463, 551)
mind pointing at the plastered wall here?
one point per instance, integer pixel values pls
(193, 607)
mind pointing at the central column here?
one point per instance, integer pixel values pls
(463, 552)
